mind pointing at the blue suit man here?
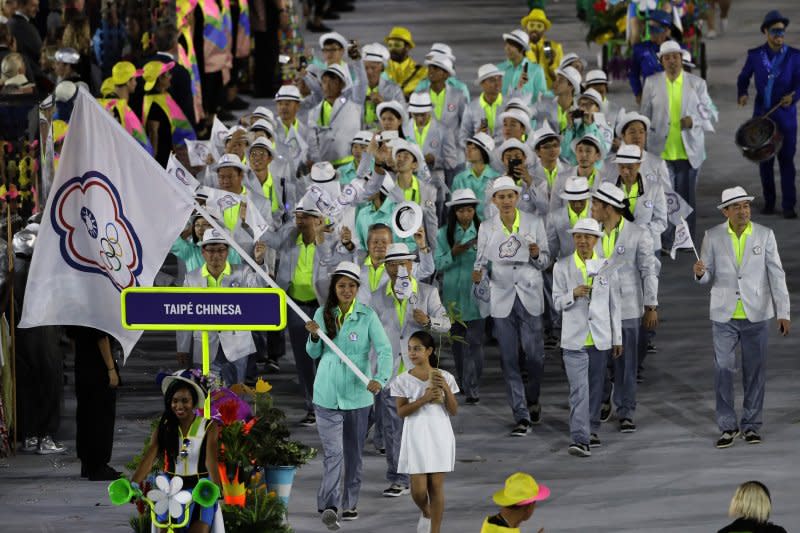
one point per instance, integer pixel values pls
(776, 68)
(645, 59)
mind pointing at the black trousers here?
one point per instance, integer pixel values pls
(40, 375)
(96, 411)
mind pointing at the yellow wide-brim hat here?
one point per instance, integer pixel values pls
(402, 34)
(536, 14)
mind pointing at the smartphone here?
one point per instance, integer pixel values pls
(303, 62)
(525, 68)
(577, 114)
(548, 51)
(512, 166)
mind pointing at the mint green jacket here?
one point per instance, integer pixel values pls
(467, 180)
(457, 272)
(336, 386)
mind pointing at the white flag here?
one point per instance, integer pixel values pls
(218, 134)
(677, 208)
(683, 238)
(218, 201)
(199, 152)
(109, 222)
(178, 172)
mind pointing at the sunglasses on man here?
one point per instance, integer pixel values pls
(777, 32)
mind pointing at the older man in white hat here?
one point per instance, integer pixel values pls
(741, 262)
(229, 349)
(515, 243)
(452, 81)
(334, 122)
(557, 109)
(521, 76)
(371, 87)
(590, 302)
(406, 306)
(629, 249)
(680, 112)
(483, 113)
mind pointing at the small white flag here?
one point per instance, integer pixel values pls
(218, 133)
(199, 152)
(218, 201)
(677, 208)
(183, 176)
(683, 238)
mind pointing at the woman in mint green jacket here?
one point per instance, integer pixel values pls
(455, 258)
(188, 250)
(341, 401)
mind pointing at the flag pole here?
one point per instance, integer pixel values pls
(12, 324)
(683, 221)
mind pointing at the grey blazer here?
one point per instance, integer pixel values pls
(455, 103)
(471, 123)
(637, 268)
(760, 280)
(556, 202)
(235, 344)
(651, 208)
(511, 279)
(332, 142)
(427, 299)
(655, 106)
(388, 90)
(422, 269)
(653, 168)
(559, 241)
(598, 314)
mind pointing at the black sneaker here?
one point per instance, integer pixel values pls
(626, 425)
(651, 348)
(789, 213)
(594, 441)
(396, 490)
(272, 367)
(579, 450)
(310, 420)
(727, 438)
(536, 413)
(522, 428)
(751, 436)
(349, 515)
(605, 412)
(472, 400)
(331, 519)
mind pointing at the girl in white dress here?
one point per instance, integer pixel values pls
(428, 446)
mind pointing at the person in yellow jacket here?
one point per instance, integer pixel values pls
(402, 68)
(517, 501)
(546, 53)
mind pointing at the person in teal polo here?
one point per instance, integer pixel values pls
(455, 257)
(479, 148)
(348, 172)
(341, 401)
(521, 76)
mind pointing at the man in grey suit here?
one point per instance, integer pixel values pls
(515, 242)
(740, 259)
(628, 249)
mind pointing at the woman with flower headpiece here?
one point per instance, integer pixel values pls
(188, 444)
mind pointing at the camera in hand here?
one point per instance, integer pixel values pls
(513, 164)
(577, 114)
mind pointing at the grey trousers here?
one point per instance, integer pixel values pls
(625, 369)
(342, 432)
(586, 371)
(520, 327)
(468, 356)
(306, 367)
(231, 372)
(752, 337)
(392, 435)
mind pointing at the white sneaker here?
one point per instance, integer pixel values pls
(330, 519)
(424, 524)
(48, 446)
(30, 444)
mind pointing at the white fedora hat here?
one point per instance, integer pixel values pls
(629, 117)
(611, 194)
(593, 95)
(441, 61)
(185, 377)
(510, 144)
(402, 145)
(263, 143)
(229, 161)
(363, 137)
(376, 53)
(348, 269)
(323, 172)
(463, 197)
(628, 153)
(397, 107)
(587, 226)
(576, 188)
(398, 251)
(212, 236)
(518, 36)
(442, 49)
(406, 219)
(669, 47)
(573, 76)
(261, 125)
(338, 71)
(733, 195)
(486, 71)
(517, 115)
(288, 92)
(546, 132)
(266, 114)
(504, 183)
(483, 141)
(332, 36)
(420, 103)
(518, 104)
(595, 77)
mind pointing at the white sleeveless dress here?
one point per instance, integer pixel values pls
(428, 444)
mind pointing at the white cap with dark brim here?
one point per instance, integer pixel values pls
(628, 154)
(586, 226)
(610, 194)
(734, 195)
(398, 251)
(504, 183)
(576, 188)
(462, 197)
(349, 270)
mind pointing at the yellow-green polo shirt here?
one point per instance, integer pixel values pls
(551, 175)
(490, 110)
(574, 217)
(420, 136)
(302, 286)
(213, 282)
(631, 194)
(674, 148)
(610, 239)
(412, 193)
(437, 99)
(325, 113)
(400, 307)
(341, 317)
(738, 250)
(375, 274)
(579, 262)
(268, 190)
(514, 226)
(231, 214)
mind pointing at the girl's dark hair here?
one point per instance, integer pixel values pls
(195, 238)
(452, 221)
(330, 304)
(168, 431)
(427, 341)
(400, 131)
